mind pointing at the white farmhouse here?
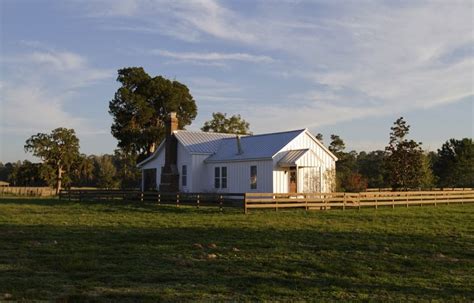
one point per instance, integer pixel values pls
(283, 162)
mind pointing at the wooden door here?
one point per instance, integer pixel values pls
(292, 178)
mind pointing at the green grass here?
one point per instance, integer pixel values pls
(110, 251)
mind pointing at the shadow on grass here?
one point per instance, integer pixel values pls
(131, 206)
(170, 264)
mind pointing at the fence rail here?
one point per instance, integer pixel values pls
(194, 199)
(322, 201)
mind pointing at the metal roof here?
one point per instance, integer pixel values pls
(253, 147)
(291, 156)
(201, 142)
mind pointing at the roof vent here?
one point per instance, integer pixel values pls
(239, 145)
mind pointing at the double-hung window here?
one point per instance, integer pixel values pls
(184, 175)
(220, 177)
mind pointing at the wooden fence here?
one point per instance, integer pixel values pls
(27, 191)
(194, 199)
(322, 201)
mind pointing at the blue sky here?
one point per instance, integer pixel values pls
(344, 67)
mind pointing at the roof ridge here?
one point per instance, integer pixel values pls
(201, 132)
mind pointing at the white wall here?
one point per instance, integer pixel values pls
(184, 158)
(315, 165)
(157, 163)
(238, 176)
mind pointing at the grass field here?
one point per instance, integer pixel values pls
(110, 251)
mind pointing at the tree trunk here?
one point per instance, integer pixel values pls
(59, 179)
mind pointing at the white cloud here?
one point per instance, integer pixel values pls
(37, 87)
(359, 59)
(212, 56)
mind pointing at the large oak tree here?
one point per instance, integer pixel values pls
(141, 106)
(58, 151)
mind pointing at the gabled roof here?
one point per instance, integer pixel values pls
(201, 142)
(254, 147)
(194, 142)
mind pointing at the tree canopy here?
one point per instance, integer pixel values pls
(58, 151)
(404, 158)
(221, 124)
(454, 163)
(141, 106)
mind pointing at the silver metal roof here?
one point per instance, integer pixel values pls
(253, 147)
(291, 156)
(201, 142)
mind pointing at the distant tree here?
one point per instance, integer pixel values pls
(355, 182)
(346, 165)
(84, 171)
(221, 124)
(337, 146)
(371, 166)
(428, 179)
(454, 163)
(141, 106)
(127, 171)
(404, 158)
(58, 151)
(26, 174)
(106, 172)
(319, 136)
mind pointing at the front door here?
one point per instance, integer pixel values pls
(292, 186)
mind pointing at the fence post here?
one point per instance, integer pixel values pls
(197, 201)
(358, 201)
(344, 202)
(245, 203)
(393, 202)
(220, 203)
(141, 197)
(376, 203)
(435, 196)
(159, 198)
(177, 200)
(406, 193)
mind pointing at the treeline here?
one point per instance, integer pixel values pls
(404, 164)
(104, 171)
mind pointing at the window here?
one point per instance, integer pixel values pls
(184, 175)
(217, 176)
(224, 177)
(220, 177)
(253, 177)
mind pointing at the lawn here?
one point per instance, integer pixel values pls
(110, 251)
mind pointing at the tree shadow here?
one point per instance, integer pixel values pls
(79, 263)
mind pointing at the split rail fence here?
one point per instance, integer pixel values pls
(322, 201)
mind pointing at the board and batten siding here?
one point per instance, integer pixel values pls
(199, 172)
(158, 162)
(238, 176)
(309, 166)
(184, 158)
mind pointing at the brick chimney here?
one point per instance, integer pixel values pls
(169, 172)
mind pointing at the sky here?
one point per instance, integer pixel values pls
(349, 68)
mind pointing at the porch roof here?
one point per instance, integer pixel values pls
(292, 156)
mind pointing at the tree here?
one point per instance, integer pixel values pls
(319, 136)
(105, 172)
(337, 146)
(221, 124)
(84, 171)
(404, 158)
(57, 150)
(346, 164)
(454, 163)
(127, 171)
(372, 166)
(141, 106)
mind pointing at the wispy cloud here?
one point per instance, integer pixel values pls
(37, 87)
(356, 59)
(212, 56)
